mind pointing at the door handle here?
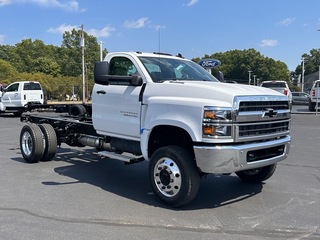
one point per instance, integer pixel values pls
(101, 92)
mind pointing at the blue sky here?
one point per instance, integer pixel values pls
(279, 29)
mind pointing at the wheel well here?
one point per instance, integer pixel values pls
(169, 135)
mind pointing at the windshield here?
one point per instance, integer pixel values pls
(162, 69)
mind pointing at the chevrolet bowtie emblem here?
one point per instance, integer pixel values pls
(269, 112)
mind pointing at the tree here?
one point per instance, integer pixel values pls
(34, 56)
(46, 65)
(7, 71)
(311, 62)
(72, 51)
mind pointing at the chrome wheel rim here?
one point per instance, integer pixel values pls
(167, 177)
(26, 143)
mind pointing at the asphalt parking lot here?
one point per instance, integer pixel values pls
(80, 196)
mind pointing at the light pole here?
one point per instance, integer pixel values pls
(83, 71)
(101, 57)
(254, 79)
(302, 77)
(250, 76)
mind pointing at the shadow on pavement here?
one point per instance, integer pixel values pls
(132, 182)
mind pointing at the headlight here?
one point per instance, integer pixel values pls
(211, 114)
(217, 122)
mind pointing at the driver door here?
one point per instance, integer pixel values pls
(116, 107)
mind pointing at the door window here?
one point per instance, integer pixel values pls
(13, 88)
(122, 66)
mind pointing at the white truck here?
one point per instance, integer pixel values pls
(172, 112)
(18, 95)
(314, 96)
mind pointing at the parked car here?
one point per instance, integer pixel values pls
(300, 98)
(279, 86)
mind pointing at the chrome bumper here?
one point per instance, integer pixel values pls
(228, 159)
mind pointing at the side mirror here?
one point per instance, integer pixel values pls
(101, 70)
(220, 76)
(136, 81)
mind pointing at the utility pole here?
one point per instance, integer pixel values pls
(250, 76)
(83, 70)
(101, 57)
(302, 81)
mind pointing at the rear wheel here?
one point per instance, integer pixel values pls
(257, 175)
(32, 143)
(174, 177)
(50, 138)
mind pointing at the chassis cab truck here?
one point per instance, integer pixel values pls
(18, 95)
(171, 112)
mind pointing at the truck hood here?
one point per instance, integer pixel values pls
(211, 93)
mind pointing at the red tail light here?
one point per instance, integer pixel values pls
(285, 91)
(313, 93)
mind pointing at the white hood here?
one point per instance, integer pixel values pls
(211, 93)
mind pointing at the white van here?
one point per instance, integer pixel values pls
(18, 94)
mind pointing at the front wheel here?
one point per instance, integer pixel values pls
(174, 176)
(257, 175)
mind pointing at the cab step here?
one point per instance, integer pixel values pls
(127, 158)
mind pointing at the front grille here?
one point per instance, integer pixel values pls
(261, 117)
(269, 128)
(250, 106)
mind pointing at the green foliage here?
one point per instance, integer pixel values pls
(311, 62)
(46, 65)
(6, 71)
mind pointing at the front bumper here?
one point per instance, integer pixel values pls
(233, 158)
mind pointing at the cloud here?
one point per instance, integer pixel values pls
(2, 37)
(140, 23)
(63, 28)
(67, 5)
(286, 22)
(192, 2)
(5, 2)
(104, 32)
(268, 43)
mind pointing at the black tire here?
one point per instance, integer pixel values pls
(77, 110)
(312, 106)
(18, 113)
(257, 175)
(174, 176)
(32, 143)
(50, 138)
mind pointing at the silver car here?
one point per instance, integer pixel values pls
(300, 98)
